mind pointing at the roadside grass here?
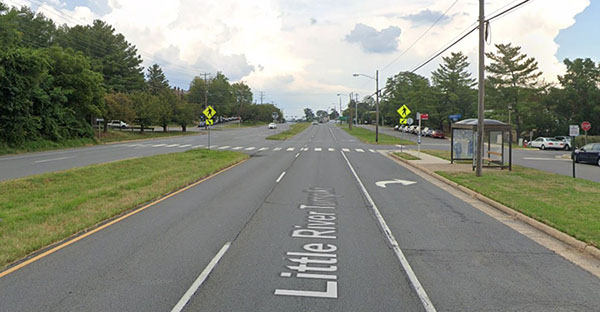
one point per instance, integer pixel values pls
(567, 204)
(44, 209)
(127, 135)
(407, 156)
(368, 136)
(244, 124)
(292, 131)
(110, 136)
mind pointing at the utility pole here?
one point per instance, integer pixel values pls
(262, 95)
(356, 108)
(480, 112)
(377, 106)
(350, 111)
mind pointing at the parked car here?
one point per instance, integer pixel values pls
(202, 124)
(544, 143)
(439, 134)
(589, 153)
(566, 140)
(272, 125)
(117, 124)
(425, 131)
(315, 123)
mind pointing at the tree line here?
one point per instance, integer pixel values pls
(56, 80)
(513, 83)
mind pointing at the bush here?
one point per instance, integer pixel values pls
(580, 140)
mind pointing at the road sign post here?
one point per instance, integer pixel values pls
(209, 112)
(586, 126)
(573, 132)
(419, 135)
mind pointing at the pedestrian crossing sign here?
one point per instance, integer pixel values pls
(402, 121)
(403, 111)
(209, 122)
(209, 112)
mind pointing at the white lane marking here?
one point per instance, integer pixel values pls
(372, 150)
(331, 149)
(290, 149)
(304, 149)
(53, 159)
(333, 135)
(317, 149)
(251, 148)
(263, 149)
(224, 147)
(201, 278)
(277, 149)
(399, 254)
(297, 155)
(172, 145)
(158, 145)
(185, 145)
(360, 150)
(280, 177)
(395, 181)
(237, 148)
(345, 149)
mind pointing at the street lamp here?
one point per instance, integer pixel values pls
(376, 78)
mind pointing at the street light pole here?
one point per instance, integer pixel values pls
(377, 106)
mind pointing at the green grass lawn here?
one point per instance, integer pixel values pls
(567, 204)
(407, 156)
(292, 131)
(40, 210)
(110, 136)
(368, 136)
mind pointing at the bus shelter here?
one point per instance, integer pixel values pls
(497, 136)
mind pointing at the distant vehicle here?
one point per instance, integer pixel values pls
(272, 125)
(397, 127)
(117, 124)
(566, 140)
(544, 143)
(589, 153)
(426, 131)
(315, 123)
(439, 134)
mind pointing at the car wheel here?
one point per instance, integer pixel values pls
(598, 161)
(542, 147)
(567, 148)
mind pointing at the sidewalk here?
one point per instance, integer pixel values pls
(433, 163)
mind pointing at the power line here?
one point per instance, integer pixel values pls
(422, 35)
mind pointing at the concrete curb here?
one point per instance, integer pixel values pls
(561, 236)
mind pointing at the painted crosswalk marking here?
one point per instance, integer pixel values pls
(331, 149)
(250, 148)
(277, 149)
(172, 145)
(186, 145)
(158, 145)
(237, 148)
(372, 150)
(198, 146)
(345, 149)
(224, 147)
(290, 149)
(360, 150)
(317, 149)
(304, 149)
(263, 149)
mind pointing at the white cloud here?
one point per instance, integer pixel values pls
(296, 51)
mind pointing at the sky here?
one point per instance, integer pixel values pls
(303, 53)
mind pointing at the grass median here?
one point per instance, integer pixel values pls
(244, 124)
(567, 204)
(368, 136)
(292, 131)
(43, 209)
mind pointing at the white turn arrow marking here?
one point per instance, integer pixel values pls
(395, 181)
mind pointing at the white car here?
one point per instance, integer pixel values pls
(544, 143)
(272, 125)
(117, 124)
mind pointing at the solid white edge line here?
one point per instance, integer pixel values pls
(201, 278)
(388, 233)
(280, 177)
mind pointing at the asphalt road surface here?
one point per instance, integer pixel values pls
(305, 230)
(546, 160)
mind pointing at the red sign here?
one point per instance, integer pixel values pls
(424, 116)
(586, 126)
